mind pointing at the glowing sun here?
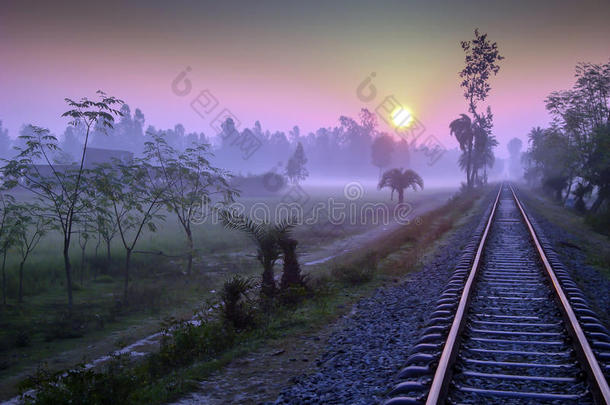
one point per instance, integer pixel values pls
(401, 117)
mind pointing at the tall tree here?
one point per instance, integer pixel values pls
(136, 198)
(190, 184)
(381, 151)
(295, 169)
(461, 128)
(8, 230)
(482, 61)
(514, 161)
(5, 143)
(59, 189)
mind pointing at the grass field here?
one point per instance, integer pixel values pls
(40, 330)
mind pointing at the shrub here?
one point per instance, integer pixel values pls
(237, 307)
(23, 338)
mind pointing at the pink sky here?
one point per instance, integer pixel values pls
(287, 67)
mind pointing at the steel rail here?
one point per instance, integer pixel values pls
(441, 376)
(596, 376)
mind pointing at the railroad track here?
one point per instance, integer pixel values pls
(510, 327)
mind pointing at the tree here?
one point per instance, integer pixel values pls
(381, 151)
(461, 128)
(514, 163)
(267, 237)
(291, 276)
(8, 230)
(295, 169)
(5, 143)
(398, 180)
(190, 183)
(135, 198)
(482, 58)
(30, 227)
(59, 189)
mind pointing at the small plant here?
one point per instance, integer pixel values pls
(23, 338)
(237, 308)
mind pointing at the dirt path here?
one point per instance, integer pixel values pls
(296, 356)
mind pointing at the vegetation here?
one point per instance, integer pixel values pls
(474, 135)
(295, 169)
(571, 158)
(60, 190)
(189, 182)
(192, 348)
(268, 238)
(398, 180)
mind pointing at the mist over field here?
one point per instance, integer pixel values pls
(288, 203)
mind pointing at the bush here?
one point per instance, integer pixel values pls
(237, 307)
(23, 338)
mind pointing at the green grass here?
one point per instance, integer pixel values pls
(159, 290)
(169, 374)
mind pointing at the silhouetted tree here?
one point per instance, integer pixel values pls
(482, 57)
(295, 169)
(267, 237)
(398, 180)
(189, 183)
(60, 189)
(381, 151)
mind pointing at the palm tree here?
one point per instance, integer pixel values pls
(462, 129)
(483, 156)
(398, 180)
(267, 238)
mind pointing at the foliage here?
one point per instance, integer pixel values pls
(58, 188)
(578, 141)
(398, 180)
(474, 137)
(381, 151)
(136, 199)
(266, 236)
(295, 169)
(238, 308)
(189, 183)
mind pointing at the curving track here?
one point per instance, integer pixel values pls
(511, 327)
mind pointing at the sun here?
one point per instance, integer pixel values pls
(401, 117)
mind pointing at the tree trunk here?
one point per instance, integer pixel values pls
(4, 276)
(268, 282)
(108, 257)
(469, 167)
(68, 267)
(292, 271)
(126, 285)
(82, 264)
(401, 195)
(20, 300)
(189, 237)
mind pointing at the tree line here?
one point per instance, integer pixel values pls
(570, 159)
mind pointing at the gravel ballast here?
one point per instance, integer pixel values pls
(362, 360)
